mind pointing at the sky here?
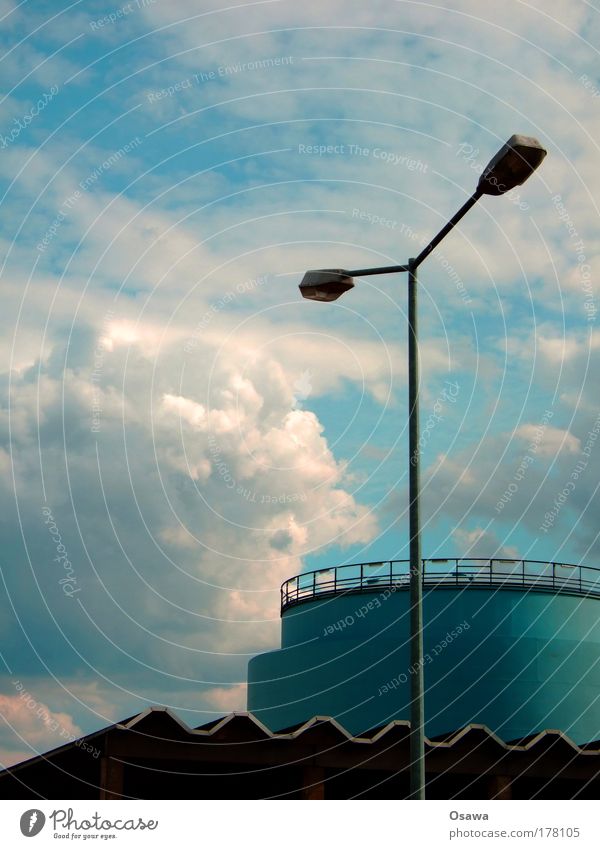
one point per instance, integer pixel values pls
(181, 431)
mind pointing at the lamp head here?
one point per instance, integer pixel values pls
(511, 166)
(326, 284)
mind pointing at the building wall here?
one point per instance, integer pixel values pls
(516, 661)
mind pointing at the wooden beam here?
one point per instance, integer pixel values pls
(313, 783)
(499, 787)
(111, 778)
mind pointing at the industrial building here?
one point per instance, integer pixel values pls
(512, 689)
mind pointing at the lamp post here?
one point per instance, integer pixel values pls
(510, 167)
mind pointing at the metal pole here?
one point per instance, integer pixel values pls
(417, 741)
(417, 714)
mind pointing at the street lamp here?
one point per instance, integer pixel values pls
(510, 167)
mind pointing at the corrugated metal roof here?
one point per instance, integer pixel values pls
(244, 727)
(214, 729)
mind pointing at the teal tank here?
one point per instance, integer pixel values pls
(513, 645)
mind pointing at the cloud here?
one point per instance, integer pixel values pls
(554, 440)
(227, 699)
(168, 505)
(480, 543)
(23, 719)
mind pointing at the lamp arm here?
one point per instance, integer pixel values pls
(446, 229)
(394, 269)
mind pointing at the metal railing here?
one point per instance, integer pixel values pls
(447, 572)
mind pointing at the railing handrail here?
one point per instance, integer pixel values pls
(293, 593)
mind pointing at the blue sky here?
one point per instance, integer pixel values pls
(180, 431)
